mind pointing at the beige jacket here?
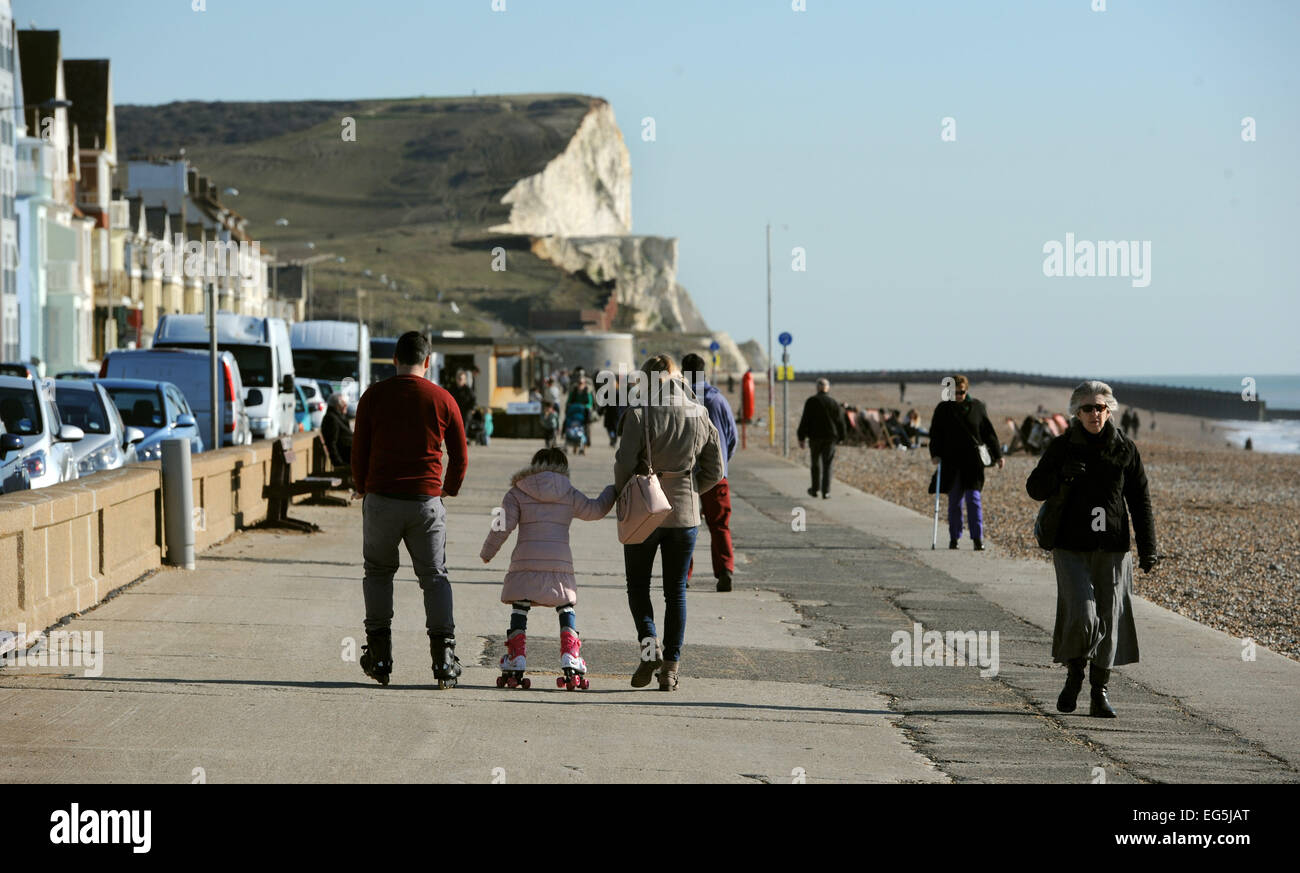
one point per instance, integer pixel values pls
(683, 439)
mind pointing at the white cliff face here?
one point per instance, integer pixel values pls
(644, 272)
(585, 190)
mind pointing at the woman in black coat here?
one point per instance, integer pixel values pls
(1098, 473)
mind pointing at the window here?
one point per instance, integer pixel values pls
(510, 372)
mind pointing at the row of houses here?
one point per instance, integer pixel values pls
(92, 254)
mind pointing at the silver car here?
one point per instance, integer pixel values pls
(108, 443)
(27, 409)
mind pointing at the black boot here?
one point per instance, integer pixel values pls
(952, 543)
(446, 666)
(979, 545)
(1101, 707)
(1073, 685)
(377, 655)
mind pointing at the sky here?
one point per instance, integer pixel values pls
(923, 242)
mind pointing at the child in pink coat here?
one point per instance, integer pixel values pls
(541, 503)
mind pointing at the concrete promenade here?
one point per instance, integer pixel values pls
(237, 671)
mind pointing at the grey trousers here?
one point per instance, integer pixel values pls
(422, 526)
(1094, 608)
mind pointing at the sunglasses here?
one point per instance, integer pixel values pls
(1094, 407)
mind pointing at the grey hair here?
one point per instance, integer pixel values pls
(823, 384)
(1085, 391)
(339, 400)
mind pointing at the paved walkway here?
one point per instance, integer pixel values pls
(238, 667)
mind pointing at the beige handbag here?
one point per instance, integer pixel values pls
(642, 506)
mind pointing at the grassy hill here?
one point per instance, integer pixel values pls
(410, 198)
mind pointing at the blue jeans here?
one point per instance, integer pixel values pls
(677, 545)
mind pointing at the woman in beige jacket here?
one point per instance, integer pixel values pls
(686, 454)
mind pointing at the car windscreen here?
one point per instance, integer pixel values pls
(20, 410)
(82, 409)
(324, 364)
(254, 361)
(140, 407)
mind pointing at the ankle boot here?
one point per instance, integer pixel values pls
(1100, 707)
(652, 657)
(1073, 685)
(668, 676)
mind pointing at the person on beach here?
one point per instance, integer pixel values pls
(542, 503)
(958, 428)
(612, 412)
(550, 420)
(822, 427)
(715, 504)
(687, 456)
(402, 426)
(581, 394)
(1097, 471)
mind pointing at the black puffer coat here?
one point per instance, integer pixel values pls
(1114, 481)
(952, 440)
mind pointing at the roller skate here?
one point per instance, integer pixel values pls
(446, 666)
(513, 663)
(377, 655)
(571, 663)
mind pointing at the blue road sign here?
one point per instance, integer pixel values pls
(785, 339)
(713, 346)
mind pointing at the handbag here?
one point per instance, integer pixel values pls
(642, 505)
(1049, 519)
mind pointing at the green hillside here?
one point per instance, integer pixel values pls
(410, 198)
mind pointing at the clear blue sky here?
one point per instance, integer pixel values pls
(1115, 125)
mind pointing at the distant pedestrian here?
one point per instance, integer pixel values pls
(822, 427)
(550, 424)
(1097, 472)
(402, 425)
(902, 392)
(959, 428)
(336, 432)
(731, 383)
(582, 395)
(542, 503)
(612, 411)
(715, 504)
(676, 433)
(553, 393)
(463, 393)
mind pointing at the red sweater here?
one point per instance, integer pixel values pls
(401, 425)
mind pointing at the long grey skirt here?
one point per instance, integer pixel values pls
(1094, 608)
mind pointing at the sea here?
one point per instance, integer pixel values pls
(1278, 391)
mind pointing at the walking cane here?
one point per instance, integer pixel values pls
(938, 486)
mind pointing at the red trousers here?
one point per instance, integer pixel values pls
(715, 506)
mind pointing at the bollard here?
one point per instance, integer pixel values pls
(178, 503)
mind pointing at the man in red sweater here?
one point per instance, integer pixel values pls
(402, 424)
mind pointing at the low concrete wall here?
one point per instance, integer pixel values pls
(64, 548)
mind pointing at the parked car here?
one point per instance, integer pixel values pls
(159, 410)
(108, 443)
(76, 374)
(13, 474)
(27, 409)
(301, 412)
(189, 371)
(22, 371)
(316, 399)
(261, 346)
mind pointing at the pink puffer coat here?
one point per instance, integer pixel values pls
(541, 503)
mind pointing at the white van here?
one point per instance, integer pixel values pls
(261, 346)
(331, 351)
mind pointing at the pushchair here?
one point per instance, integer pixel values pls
(575, 428)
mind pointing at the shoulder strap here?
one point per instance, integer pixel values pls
(650, 467)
